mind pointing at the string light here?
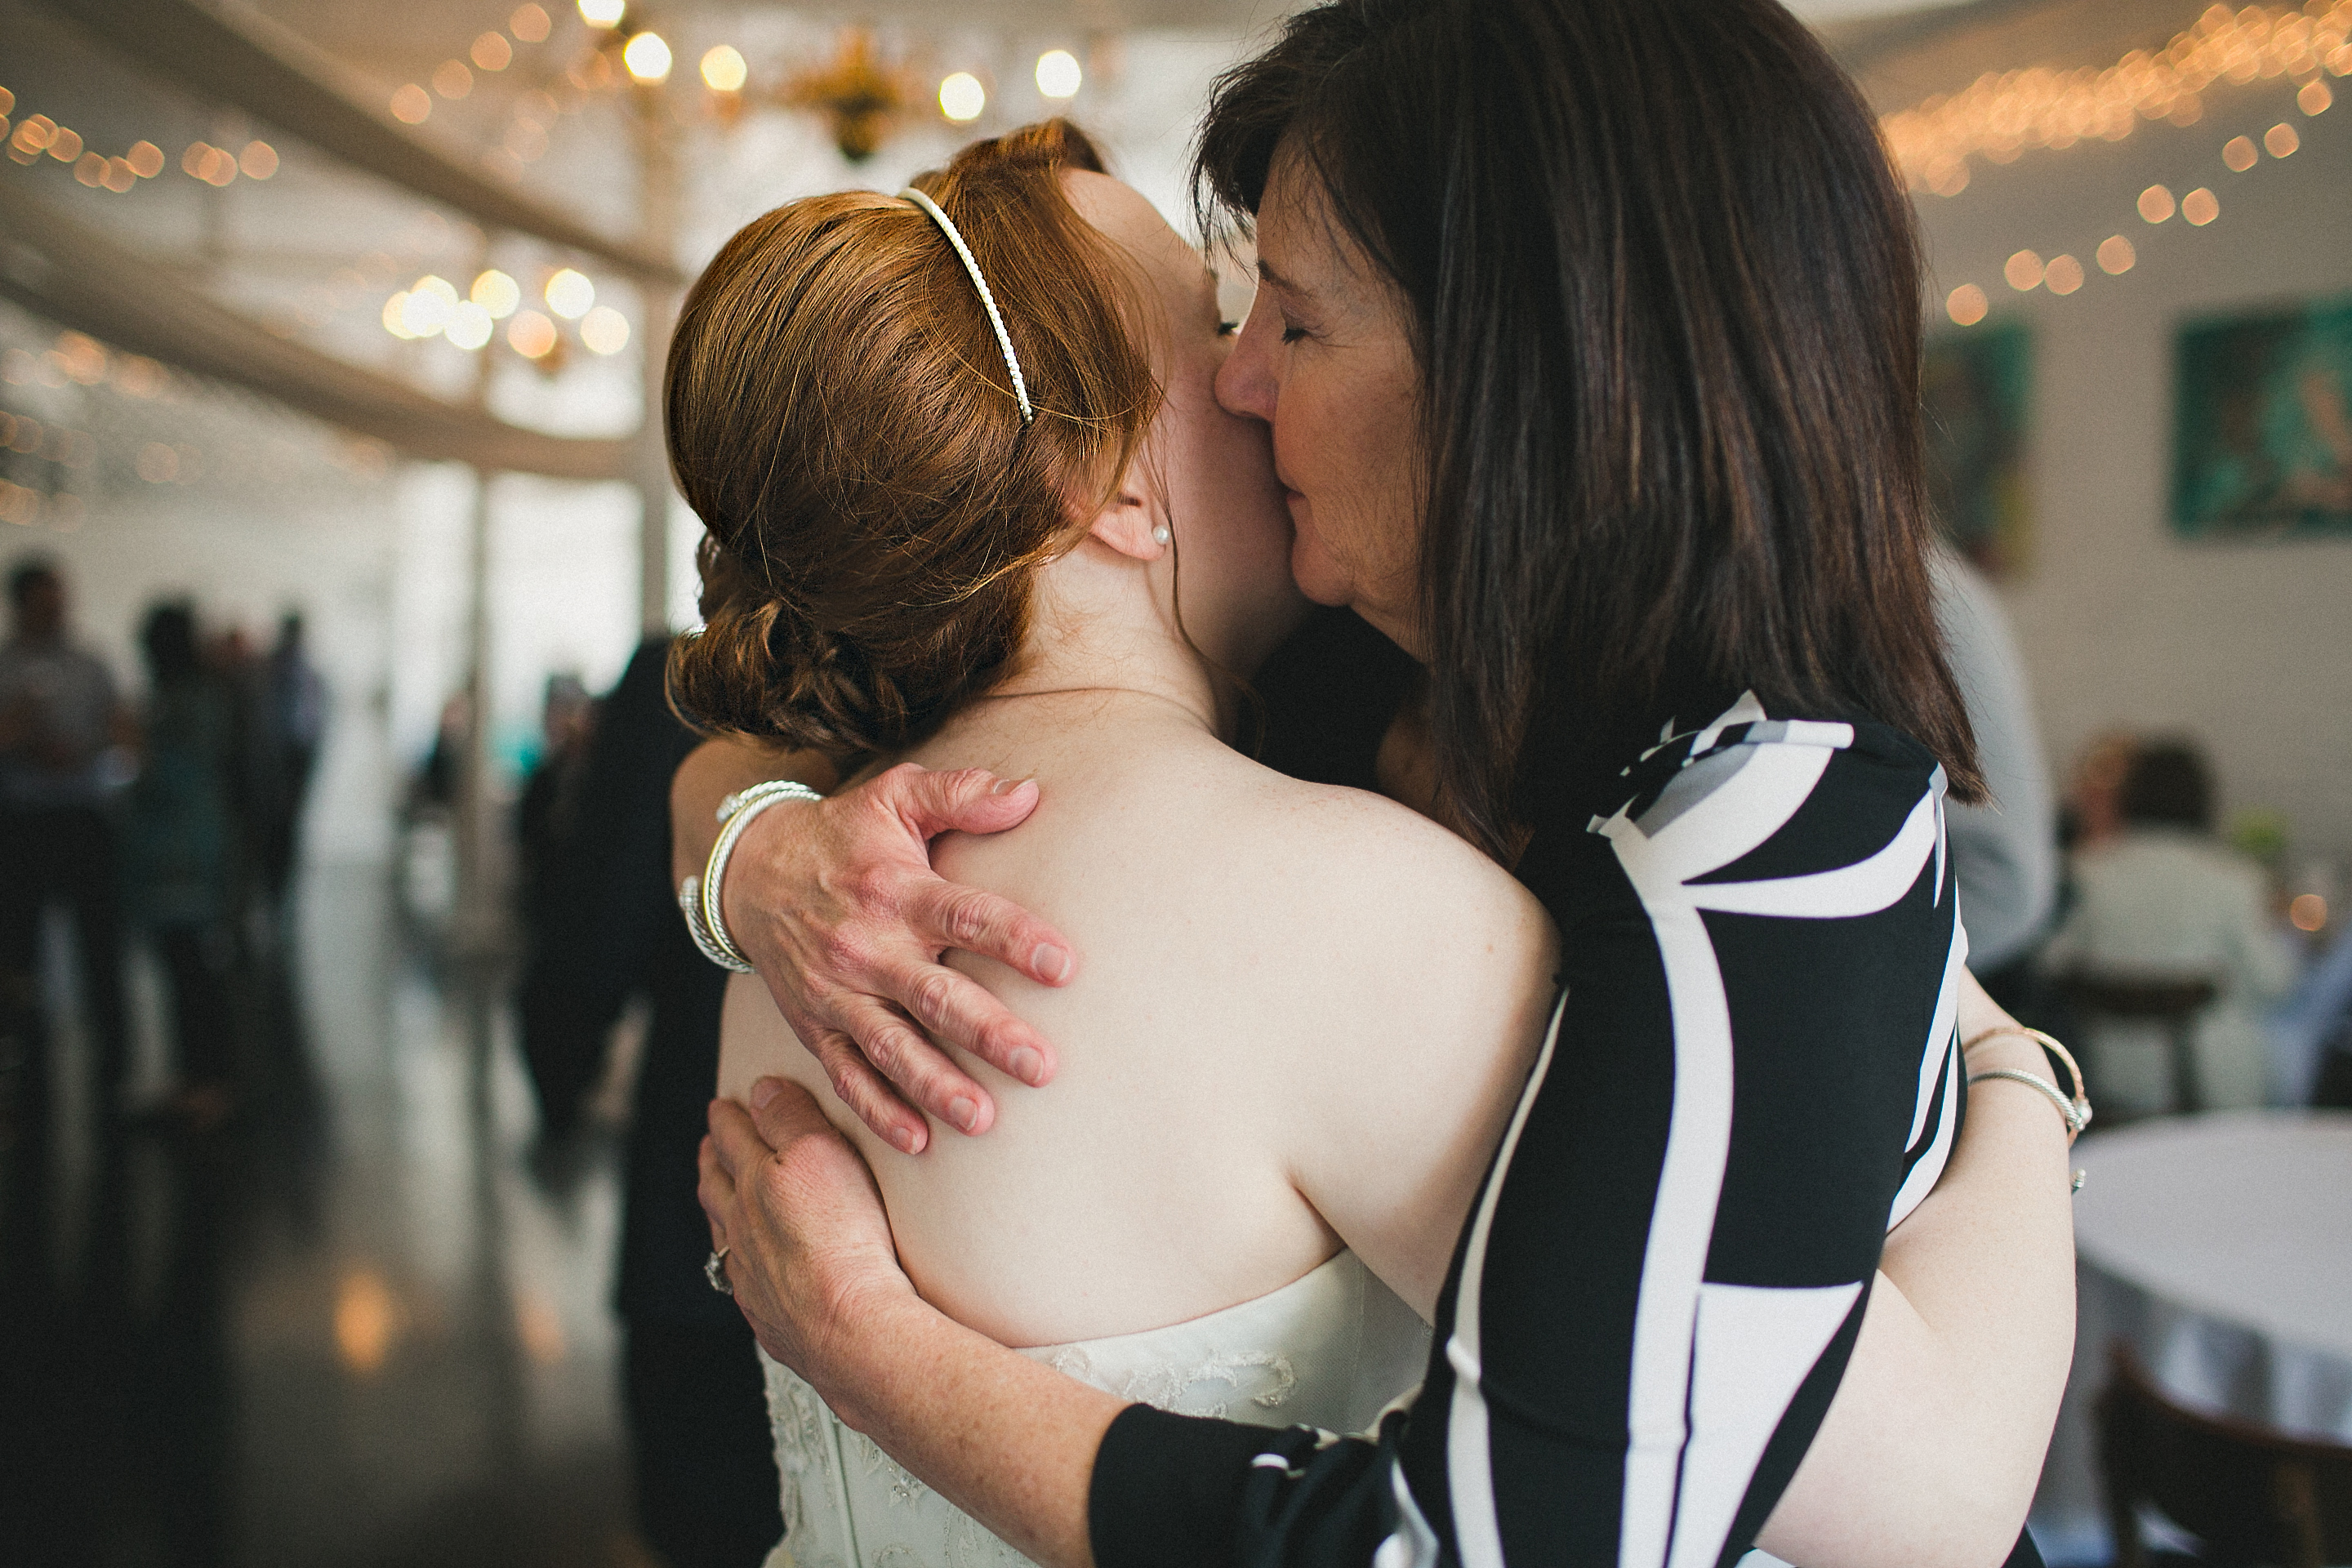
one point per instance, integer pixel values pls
(569, 294)
(2116, 256)
(1059, 75)
(647, 58)
(146, 160)
(961, 97)
(2201, 207)
(604, 329)
(2023, 272)
(2239, 154)
(492, 52)
(496, 293)
(2280, 141)
(258, 161)
(531, 334)
(603, 13)
(2156, 204)
(469, 325)
(529, 24)
(1967, 305)
(452, 80)
(411, 104)
(724, 69)
(2001, 114)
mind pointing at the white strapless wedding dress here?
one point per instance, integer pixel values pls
(1330, 1348)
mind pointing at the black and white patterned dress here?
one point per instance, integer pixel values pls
(1751, 1077)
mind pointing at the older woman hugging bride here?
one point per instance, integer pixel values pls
(965, 455)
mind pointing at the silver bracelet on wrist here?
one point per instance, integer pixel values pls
(698, 897)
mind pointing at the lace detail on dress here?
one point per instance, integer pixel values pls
(1166, 1384)
(1327, 1350)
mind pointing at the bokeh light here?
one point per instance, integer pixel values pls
(2116, 256)
(2156, 204)
(724, 69)
(2308, 912)
(411, 104)
(647, 58)
(258, 161)
(531, 334)
(2281, 139)
(2023, 270)
(496, 292)
(492, 52)
(2201, 207)
(569, 294)
(1059, 75)
(604, 329)
(603, 13)
(961, 97)
(469, 325)
(2239, 154)
(1967, 305)
(529, 24)
(2063, 275)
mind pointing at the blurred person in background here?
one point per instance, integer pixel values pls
(2004, 850)
(704, 1462)
(2162, 898)
(64, 736)
(546, 817)
(292, 719)
(179, 857)
(2093, 810)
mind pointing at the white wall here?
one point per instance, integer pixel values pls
(2241, 644)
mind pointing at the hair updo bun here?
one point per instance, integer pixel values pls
(841, 418)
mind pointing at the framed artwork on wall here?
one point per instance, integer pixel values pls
(1976, 387)
(2262, 424)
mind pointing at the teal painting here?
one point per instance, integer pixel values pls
(2263, 435)
(1975, 387)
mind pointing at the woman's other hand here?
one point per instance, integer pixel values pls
(837, 905)
(809, 1249)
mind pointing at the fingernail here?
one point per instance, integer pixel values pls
(1007, 786)
(766, 1090)
(1027, 1066)
(963, 1112)
(1052, 964)
(904, 1139)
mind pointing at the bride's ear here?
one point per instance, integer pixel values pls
(1130, 522)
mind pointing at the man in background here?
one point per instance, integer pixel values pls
(65, 741)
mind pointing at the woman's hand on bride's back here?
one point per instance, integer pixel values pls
(808, 1256)
(836, 904)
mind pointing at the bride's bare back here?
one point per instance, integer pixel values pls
(1301, 1018)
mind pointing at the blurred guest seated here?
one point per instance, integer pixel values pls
(2161, 899)
(2091, 814)
(64, 739)
(178, 858)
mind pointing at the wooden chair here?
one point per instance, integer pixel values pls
(2174, 1003)
(2252, 1495)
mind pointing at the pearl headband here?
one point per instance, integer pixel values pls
(995, 319)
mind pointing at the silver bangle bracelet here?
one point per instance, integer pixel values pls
(2075, 1120)
(698, 899)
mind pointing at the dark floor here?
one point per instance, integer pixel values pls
(360, 1326)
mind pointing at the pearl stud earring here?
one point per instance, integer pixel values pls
(1161, 535)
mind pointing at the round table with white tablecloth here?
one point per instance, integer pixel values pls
(2222, 1247)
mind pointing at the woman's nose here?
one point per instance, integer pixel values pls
(1246, 384)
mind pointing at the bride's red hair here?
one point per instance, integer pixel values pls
(840, 418)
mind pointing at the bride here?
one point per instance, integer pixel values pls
(1242, 1196)
(1250, 1155)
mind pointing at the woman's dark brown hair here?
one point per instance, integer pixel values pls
(841, 418)
(1664, 292)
